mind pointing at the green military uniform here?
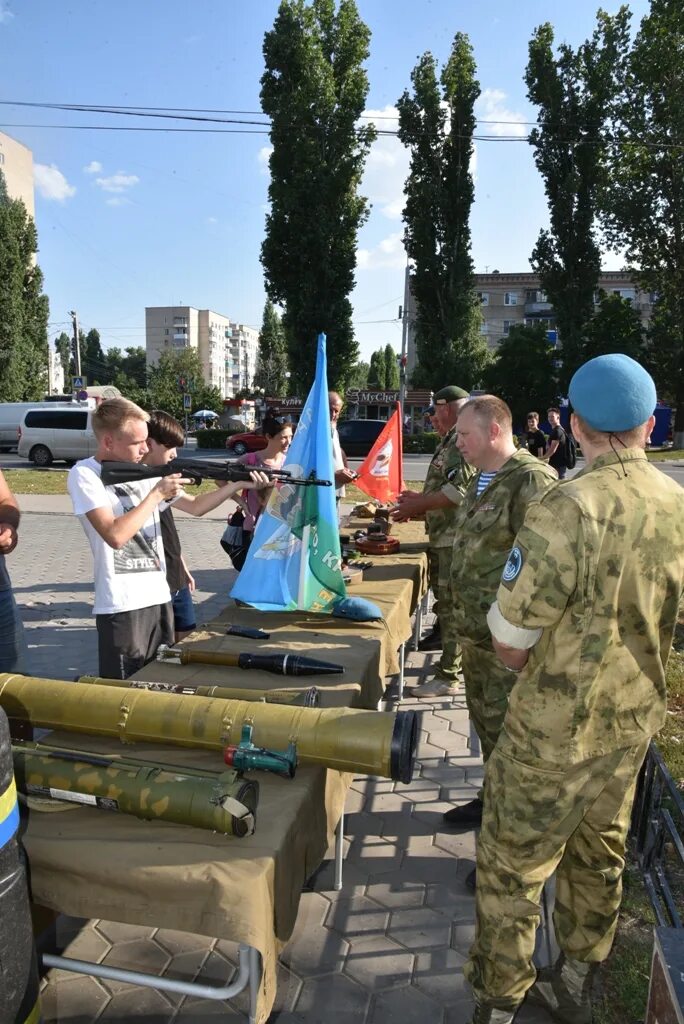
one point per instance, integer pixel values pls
(484, 528)
(598, 569)
(450, 474)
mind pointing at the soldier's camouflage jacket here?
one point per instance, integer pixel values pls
(599, 566)
(449, 473)
(485, 528)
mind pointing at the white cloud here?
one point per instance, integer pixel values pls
(263, 158)
(389, 252)
(51, 183)
(212, 220)
(491, 107)
(118, 182)
(5, 13)
(387, 166)
(94, 167)
(118, 201)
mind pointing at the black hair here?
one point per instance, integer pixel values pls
(166, 430)
(273, 425)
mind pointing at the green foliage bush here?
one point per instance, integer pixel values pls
(213, 438)
(422, 444)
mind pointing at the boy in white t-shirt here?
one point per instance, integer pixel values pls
(132, 599)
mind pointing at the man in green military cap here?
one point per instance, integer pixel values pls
(508, 479)
(585, 613)
(445, 484)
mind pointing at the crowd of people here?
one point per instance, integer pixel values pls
(563, 596)
(556, 602)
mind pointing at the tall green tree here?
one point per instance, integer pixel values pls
(271, 362)
(176, 374)
(63, 347)
(524, 373)
(314, 90)
(23, 306)
(643, 201)
(436, 123)
(93, 363)
(377, 370)
(614, 327)
(391, 369)
(358, 376)
(574, 92)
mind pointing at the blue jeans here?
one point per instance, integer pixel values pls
(13, 649)
(183, 611)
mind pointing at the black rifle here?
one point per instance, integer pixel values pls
(197, 470)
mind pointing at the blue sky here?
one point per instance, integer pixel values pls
(129, 219)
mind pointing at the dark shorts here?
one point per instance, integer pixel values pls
(183, 611)
(128, 640)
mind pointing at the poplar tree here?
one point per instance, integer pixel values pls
(271, 362)
(643, 201)
(23, 306)
(391, 369)
(574, 92)
(436, 123)
(314, 91)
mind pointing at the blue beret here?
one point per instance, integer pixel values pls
(357, 608)
(612, 393)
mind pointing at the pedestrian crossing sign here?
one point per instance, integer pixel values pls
(78, 382)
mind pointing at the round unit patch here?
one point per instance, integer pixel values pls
(513, 565)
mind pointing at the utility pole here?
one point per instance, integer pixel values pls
(404, 317)
(76, 343)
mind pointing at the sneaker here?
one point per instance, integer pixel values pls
(432, 641)
(435, 688)
(466, 815)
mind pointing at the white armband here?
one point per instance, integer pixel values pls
(506, 633)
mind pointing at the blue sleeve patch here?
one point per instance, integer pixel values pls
(513, 565)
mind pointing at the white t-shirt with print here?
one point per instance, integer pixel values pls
(135, 575)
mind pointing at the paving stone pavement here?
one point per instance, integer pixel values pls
(389, 947)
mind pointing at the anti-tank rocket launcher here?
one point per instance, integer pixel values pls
(197, 470)
(278, 664)
(347, 739)
(309, 698)
(223, 801)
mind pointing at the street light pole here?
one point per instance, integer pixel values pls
(77, 345)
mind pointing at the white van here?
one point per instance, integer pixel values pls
(11, 415)
(64, 433)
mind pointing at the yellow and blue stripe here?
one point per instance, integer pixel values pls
(9, 814)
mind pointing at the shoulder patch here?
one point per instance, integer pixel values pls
(513, 565)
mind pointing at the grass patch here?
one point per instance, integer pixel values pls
(623, 981)
(53, 481)
(665, 455)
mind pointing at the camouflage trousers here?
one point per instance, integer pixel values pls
(487, 686)
(449, 665)
(539, 818)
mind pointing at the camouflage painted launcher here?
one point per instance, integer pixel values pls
(223, 802)
(310, 698)
(365, 742)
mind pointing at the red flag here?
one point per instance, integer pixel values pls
(381, 474)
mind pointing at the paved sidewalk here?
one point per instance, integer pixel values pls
(389, 948)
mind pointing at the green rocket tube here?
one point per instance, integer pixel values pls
(365, 742)
(223, 802)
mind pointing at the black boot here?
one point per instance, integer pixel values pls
(485, 1014)
(465, 816)
(564, 990)
(432, 641)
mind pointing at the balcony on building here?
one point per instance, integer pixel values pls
(537, 305)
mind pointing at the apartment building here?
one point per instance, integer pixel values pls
(227, 350)
(241, 357)
(510, 299)
(16, 163)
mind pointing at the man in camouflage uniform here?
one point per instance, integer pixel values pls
(445, 484)
(586, 611)
(485, 525)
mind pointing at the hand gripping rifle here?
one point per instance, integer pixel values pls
(198, 470)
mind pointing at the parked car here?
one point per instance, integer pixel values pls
(252, 441)
(357, 437)
(59, 432)
(11, 415)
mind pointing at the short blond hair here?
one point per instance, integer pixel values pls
(634, 438)
(111, 415)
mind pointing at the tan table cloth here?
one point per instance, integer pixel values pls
(95, 864)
